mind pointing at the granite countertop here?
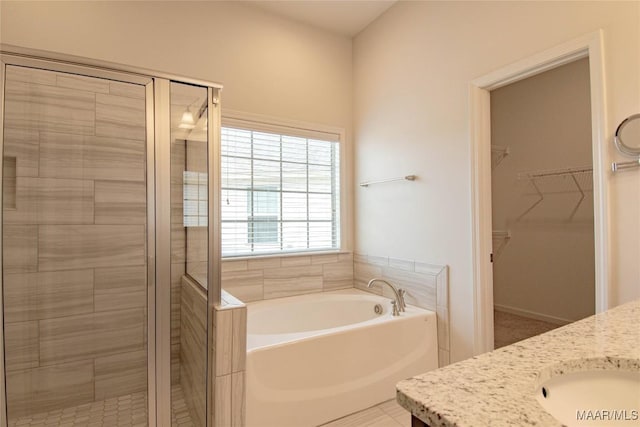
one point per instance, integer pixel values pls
(498, 388)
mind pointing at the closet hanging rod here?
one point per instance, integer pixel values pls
(618, 166)
(400, 178)
(555, 172)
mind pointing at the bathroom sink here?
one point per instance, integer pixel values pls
(593, 398)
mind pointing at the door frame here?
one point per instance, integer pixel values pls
(591, 46)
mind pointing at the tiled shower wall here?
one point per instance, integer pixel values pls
(193, 349)
(188, 294)
(188, 298)
(178, 252)
(74, 239)
(228, 348)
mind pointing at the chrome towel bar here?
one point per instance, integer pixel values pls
(618, 166)
(401, 178)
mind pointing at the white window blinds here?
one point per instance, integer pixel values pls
(280, 192)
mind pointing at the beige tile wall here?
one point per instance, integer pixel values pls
(229, 353)
(189, 247)
(193, 349)
(427, 286)
(274, 277)
(74, 240)
(178, 252)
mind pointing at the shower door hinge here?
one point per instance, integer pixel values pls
(215, 96)
(491, 257)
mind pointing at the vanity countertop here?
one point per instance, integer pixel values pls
(498, 388)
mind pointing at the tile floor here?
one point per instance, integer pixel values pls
(386, 414)
(124, 411)
(509, 328)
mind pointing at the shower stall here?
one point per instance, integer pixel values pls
(110, 249)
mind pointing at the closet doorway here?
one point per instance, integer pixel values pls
(542, 203)
(487, 160)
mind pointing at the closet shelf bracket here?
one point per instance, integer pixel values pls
(500, 153)
(532, 180)
(502, 237)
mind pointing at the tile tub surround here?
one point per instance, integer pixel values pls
(228, 348)
(75, 240)
(498, 388)
(229, 356)
(427, 286)
(254, 279)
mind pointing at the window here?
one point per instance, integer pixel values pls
(263, 224)
(280, 192)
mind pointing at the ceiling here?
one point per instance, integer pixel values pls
(346, 17)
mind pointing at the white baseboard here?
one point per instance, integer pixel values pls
(532, 314)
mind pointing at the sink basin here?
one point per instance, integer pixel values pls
(592, 398)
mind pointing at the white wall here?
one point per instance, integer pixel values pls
(545, 121)
(268, 65)
(412, 69)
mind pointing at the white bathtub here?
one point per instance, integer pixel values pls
(318, 357)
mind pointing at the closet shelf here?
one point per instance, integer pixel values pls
(555, 172)
(571, 172)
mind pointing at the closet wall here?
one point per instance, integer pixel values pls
(546, 268)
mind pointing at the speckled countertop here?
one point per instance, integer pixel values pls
(498, 388)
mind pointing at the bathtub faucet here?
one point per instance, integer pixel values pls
(398, 293)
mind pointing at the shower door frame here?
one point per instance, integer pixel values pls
(158, 229)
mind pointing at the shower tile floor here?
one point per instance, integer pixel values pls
(124, 411)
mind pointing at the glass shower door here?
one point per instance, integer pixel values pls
(75, 232)
(189, 253)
